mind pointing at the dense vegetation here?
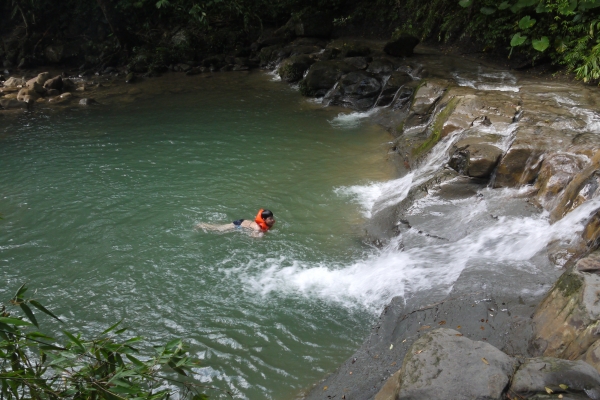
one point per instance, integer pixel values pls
(36, 366)
(104, 32)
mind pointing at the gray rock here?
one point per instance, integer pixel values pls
(392, 85)
(537, 374)
(356, 62)
(423, 104)
(474, 158)
(446, 365)
(381, 67)
(14, 82)
(27, 95)
(358, 90)
(522, 162)
(54, 83)
(322, 76)
(292, 69)
(591, 263)
(566, 322)
(87, 102)
(402, 47)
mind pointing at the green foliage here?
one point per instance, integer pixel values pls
(35, 366)
(566, 30)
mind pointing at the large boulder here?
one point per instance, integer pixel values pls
(322, 76)
(404, 46)
(566, 322)
(537, 375)
(474, 157)
(443, 364)
(40, 79)
(358, 90)
(292, 69)
(391, 87)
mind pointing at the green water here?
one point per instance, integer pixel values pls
(99, 207)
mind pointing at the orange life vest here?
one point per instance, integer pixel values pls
(261, 222)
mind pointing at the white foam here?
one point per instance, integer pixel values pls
(352, 120)
(372, 282)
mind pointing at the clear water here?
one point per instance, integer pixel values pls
(99, 207)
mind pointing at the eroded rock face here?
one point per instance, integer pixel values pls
(292, 69)
(566, 322)
(523, 161)
(555, 174)
(322, 76)
(537, 374)
(404, 46)
(358, 90)
(444, 364)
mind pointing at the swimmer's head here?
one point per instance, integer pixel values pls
(267, 216)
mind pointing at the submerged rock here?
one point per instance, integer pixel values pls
(443, 364)
(358, 90)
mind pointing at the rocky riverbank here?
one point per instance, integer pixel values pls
(462, 132)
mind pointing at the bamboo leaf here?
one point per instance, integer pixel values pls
(14, 321)
(43, 309)
(465, 3)
(112, 327)
(504, 5)
(21, 291)
(75, 340)
(29, 313)
(487, 10)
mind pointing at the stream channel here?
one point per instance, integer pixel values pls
(99, 207)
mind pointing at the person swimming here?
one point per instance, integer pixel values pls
(263, 221)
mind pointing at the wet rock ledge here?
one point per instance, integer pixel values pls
(480, 339)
